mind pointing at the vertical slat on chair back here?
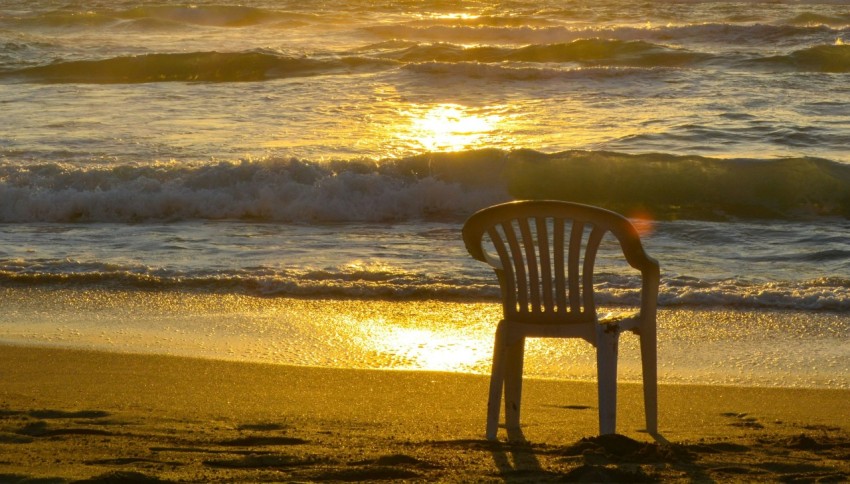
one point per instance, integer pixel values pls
(547, 267)
(558, 267)
(574, 253)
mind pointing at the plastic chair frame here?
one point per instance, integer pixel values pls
(547, 292)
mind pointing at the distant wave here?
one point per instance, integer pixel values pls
(430, 186)
(189, 67)
(162, 16)
(505, 72)
(826, 294)
(536, 61)
(261, 66)
(530, 28)
(720, 33)
(821, 58)
(515, 20)
(212, 15)
(812, 18)
(585, 51)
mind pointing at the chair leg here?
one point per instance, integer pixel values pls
(606, 368)
(497, 380)
(514, 353)
(649, 364)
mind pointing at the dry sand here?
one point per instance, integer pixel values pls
(69, 415)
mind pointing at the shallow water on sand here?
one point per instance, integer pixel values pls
(729, 347)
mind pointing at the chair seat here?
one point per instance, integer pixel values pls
(623, 320)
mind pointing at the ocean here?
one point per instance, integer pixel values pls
(286, 181)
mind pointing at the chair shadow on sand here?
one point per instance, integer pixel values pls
(603, 458)
(820, 457)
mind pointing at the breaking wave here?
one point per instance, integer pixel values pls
(428, 186)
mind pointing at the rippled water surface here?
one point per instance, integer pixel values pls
(276, 148)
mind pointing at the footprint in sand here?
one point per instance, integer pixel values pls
(41, 427)
(271, 461)
(743, 420)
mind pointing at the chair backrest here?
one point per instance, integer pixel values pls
(545, 256)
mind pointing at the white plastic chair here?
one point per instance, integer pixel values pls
(544, 259)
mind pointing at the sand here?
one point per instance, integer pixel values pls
(69, 415)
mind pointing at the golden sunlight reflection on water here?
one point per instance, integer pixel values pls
(449, 127)
(433, 349)
(695, 346)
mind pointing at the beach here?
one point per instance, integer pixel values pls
(230, 236)
(70, 415)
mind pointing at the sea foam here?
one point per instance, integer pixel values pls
(439, 185)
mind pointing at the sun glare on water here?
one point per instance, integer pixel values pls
(450, 127)
(425, 349)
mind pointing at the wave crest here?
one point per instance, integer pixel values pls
(721, 33)
(278, 190)
(210, 15)
(673, 186)
(161, 16)
(584, 51)
(195, 66)
(834, 58)
(435, 185)
(816, 19)
(821, 58)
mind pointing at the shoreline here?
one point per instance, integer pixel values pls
(78, 414)
(712, 346)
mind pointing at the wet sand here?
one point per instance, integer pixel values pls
(69, 415)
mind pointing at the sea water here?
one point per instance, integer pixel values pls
(185, 159)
